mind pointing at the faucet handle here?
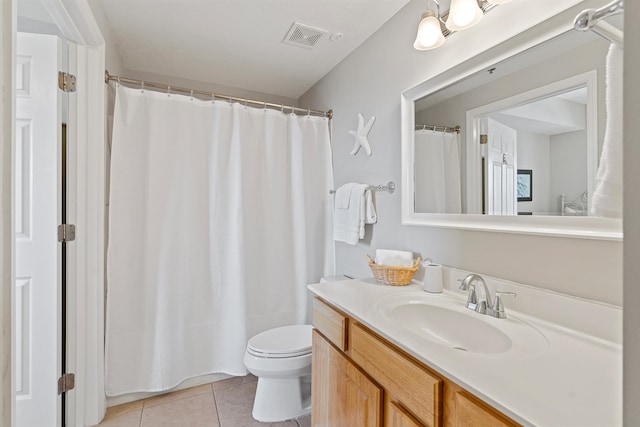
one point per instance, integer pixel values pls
(472, 297)
(498, 306)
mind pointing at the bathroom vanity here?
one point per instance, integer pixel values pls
(377, 360)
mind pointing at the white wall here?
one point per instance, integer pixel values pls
(209, 87)
(534, 153)
(370, 81)
(631, 208)
(569, 164)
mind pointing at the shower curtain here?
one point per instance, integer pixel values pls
(437, 172)
(220, 215)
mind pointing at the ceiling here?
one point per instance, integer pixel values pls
(560, 113)
(238, 43)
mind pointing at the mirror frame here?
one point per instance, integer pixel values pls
(559, 226)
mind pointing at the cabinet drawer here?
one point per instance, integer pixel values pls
(410, 385)
(331, 323)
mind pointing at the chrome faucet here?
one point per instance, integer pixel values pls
(483, 306)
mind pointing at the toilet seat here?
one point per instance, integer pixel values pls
(283, 342)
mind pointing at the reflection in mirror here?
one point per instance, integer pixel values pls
(550, 131)
(542, 110)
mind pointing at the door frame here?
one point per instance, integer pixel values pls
(86, 404)
(587, 79)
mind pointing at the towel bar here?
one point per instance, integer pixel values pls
(390, 188)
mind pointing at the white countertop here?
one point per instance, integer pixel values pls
(574, 381)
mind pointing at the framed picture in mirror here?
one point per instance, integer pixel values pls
(525, 185)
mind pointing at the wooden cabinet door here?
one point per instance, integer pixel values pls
(341, 394)
(410, 384)
(470, 412)
(397, 416)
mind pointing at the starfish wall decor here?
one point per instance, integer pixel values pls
(361, 134)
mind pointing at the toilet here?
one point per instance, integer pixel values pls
(281, 359)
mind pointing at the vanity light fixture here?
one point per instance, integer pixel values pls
(429, 31)
(463, 14)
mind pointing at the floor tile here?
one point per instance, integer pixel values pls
(233, 382)
(304, 421)
(127, 419)
(116, 411)
(288, 423)
(178, 395)
(235, 403)
(197, 411)
(226, 403)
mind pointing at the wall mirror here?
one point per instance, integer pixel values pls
(536, 113)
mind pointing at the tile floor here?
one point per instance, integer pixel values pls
(225, 403)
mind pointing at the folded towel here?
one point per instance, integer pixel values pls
(348, 224)
(607, 196)
(370, 216)
(343, 195)
(391, 257)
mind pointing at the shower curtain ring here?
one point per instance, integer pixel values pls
(168, 90)
(192, 94)
(142, 86)
(118, 80)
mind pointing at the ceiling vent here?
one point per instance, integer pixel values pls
(303, 35)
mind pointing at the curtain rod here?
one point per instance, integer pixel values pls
(449, 129)
(592, 20)
(108, 77)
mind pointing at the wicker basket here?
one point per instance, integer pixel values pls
(393, 275)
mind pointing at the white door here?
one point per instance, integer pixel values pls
(38, 136)
(501, 169)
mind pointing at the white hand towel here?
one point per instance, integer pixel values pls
(348, 224)
(607, 197)
(343, 195)
(371, 217)
(391, 257)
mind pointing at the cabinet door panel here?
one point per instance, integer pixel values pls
(341, 395)
(412, 385)
(396, 416)
(472, 413)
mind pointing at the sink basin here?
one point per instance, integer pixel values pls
(446, 321)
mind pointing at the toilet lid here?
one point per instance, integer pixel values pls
(286, 341)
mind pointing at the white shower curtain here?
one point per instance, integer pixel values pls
(220, 215)
(437, 172)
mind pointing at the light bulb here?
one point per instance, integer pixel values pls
(429, 32)
(463, 14)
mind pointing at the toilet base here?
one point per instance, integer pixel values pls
(281, 399)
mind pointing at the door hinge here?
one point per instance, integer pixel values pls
(66, 82)
(66, 233)
(484, 139)
(66, 382)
